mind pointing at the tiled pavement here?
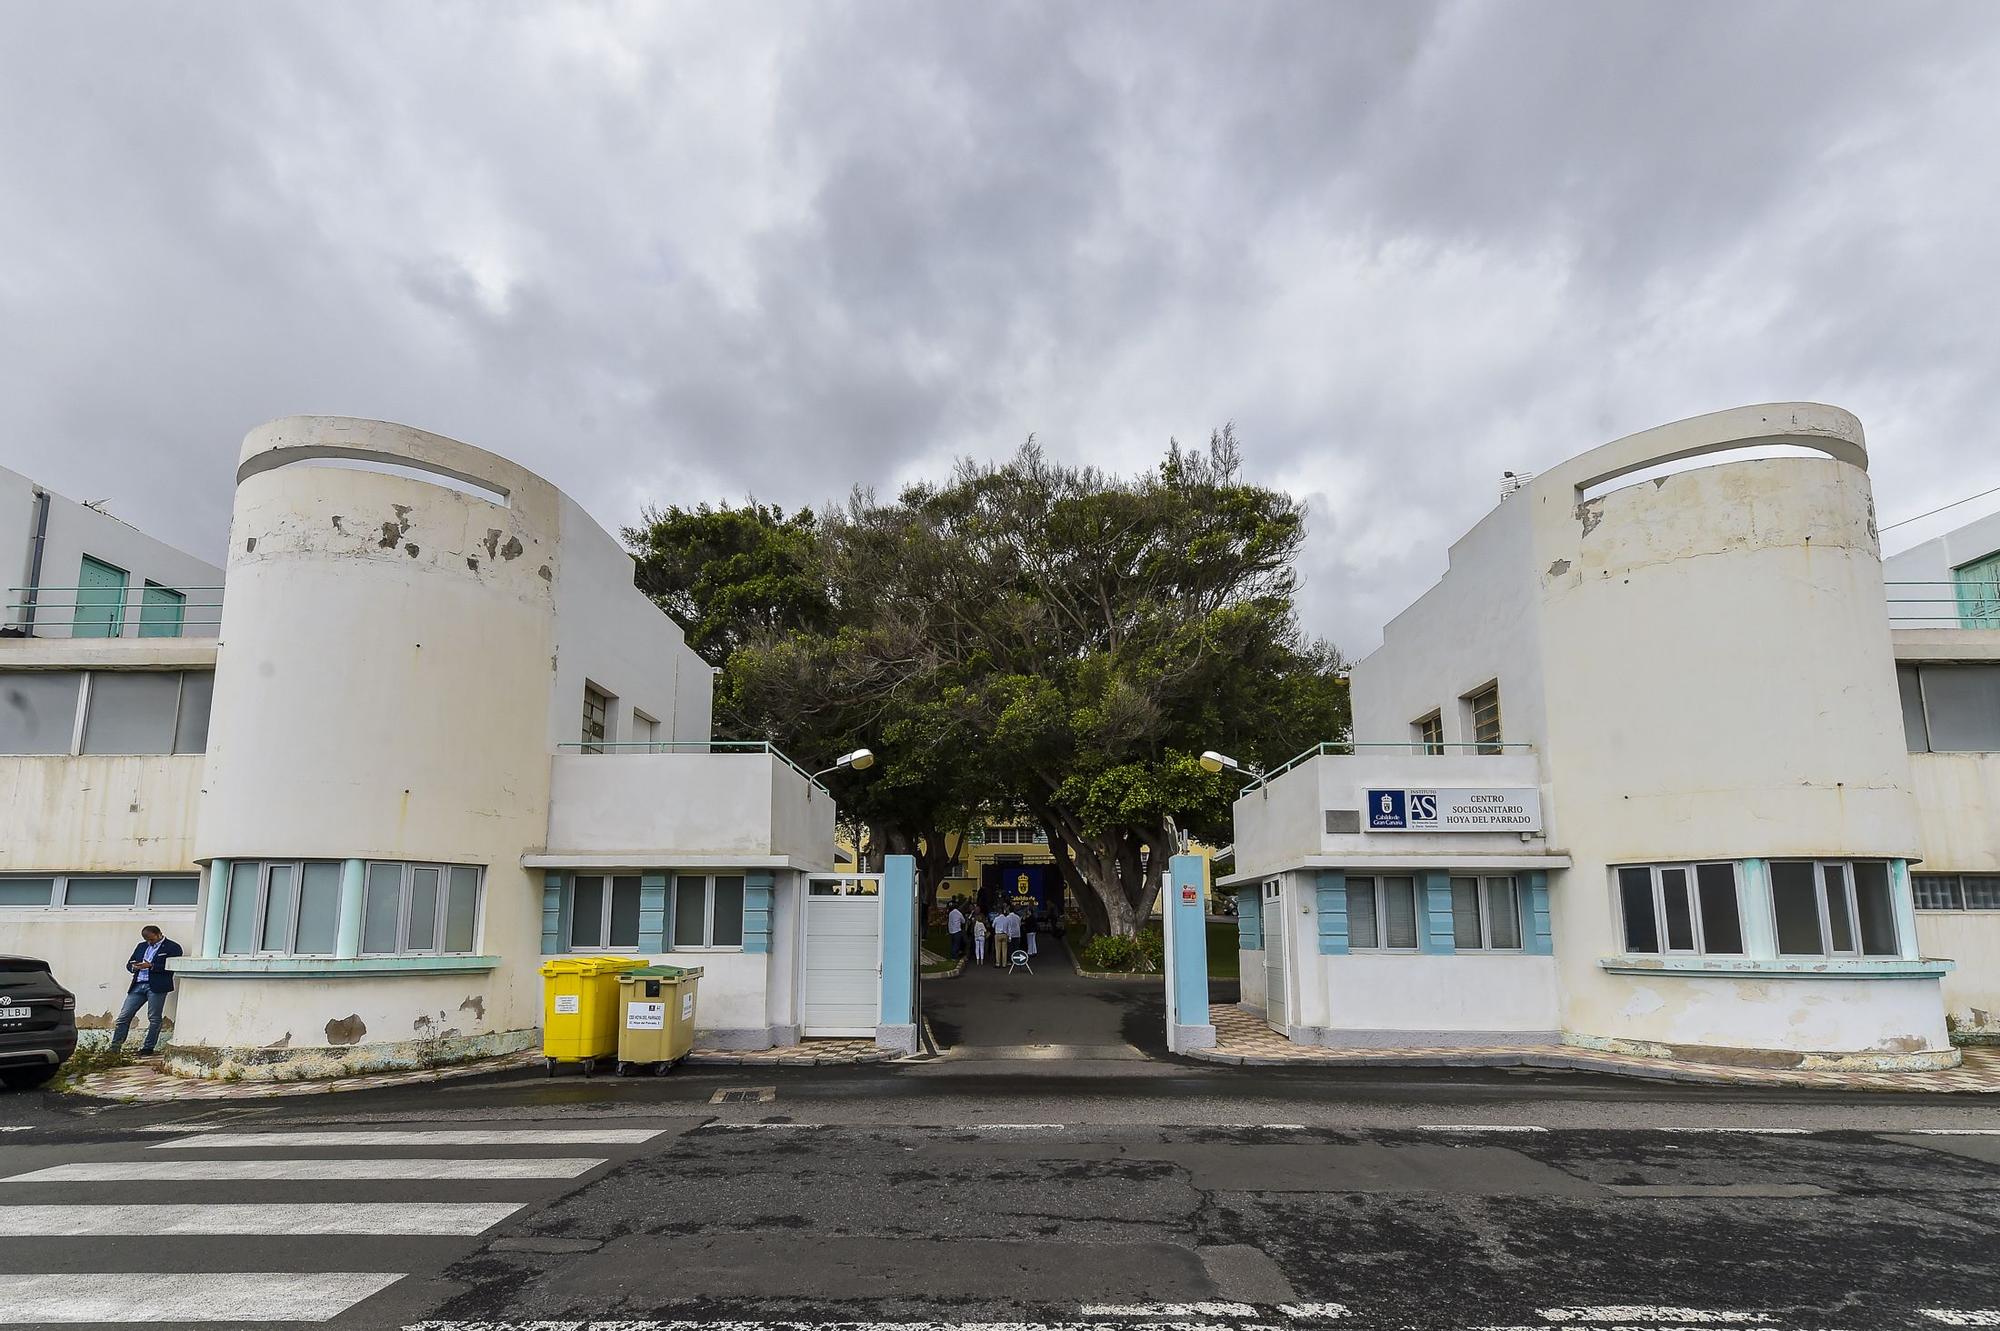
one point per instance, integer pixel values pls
(1243, 1037)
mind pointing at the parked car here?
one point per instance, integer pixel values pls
(37, 1023)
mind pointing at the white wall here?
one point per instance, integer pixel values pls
(1490, 995)
(1972, 939)
(719, 804)
(74, 531)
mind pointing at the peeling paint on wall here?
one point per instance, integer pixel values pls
(1560, 567)
(476, 1005)
(1590, 513)
(346, 1030)
(511, 550)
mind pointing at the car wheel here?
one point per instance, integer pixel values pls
(26, 1079)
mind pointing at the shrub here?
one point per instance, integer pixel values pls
(1145, 954)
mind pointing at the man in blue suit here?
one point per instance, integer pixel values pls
(151, 983)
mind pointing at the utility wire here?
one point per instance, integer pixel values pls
(1941, 508)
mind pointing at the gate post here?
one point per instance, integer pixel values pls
(897, 1025)
(1188, 1026)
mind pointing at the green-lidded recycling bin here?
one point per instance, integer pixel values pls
(580, 1009)
(656, 1016)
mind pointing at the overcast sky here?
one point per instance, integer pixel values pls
(668, 253)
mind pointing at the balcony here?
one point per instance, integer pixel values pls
(151, 610)
(1962, 604)
(649, 804)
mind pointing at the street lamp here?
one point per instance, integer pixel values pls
(1211, 761)
(860, 760)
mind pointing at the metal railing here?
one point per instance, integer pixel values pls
(609, 746)
(1974, 605)
(1414, 747)
(93, 612)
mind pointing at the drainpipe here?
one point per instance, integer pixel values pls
(36, 543)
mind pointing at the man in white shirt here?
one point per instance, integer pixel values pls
(954, 926)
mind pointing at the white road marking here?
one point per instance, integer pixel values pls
(199, 1170)
(1757, 1132)
(255, 1218)
(822, 1326)
(765, 1127)
(13, 1127)
(220, 1141)
(253, 1296)
(1963, 1316)
(1646, 1312)
(1313, 1312)
(1479, 1127)
(1170, 1310)
(1018, 1127)
(1953, 1132)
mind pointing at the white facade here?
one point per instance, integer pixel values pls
(45, 540)
(1699, 668)
(400, 801)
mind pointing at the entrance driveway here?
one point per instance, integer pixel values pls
(1054, 1013)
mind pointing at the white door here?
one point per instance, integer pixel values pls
(1273, 923)
(842, 994)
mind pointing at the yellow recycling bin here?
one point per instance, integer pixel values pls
(580, 1009)
(656, 1017)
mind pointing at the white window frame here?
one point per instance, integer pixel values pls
(407, 901)
(1429, 732)
(1470, 702)
(142, 895)
(707, 912)
(607, 732)
(1852, 897)
(1379, 888)
(1692, 868)
(610, 881)
(263, 891)
(1484, 898)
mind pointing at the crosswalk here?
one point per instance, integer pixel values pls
(259, 1193)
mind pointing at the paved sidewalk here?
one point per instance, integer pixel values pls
(1243, 1037)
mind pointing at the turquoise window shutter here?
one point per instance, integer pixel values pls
(1978, 587)
(1250, 918)
(757, 888)
(652, 912)
(552, 913)
(1333, 937)
(162, 612)
(1538, 937)
(100, 601)
(1437, 937)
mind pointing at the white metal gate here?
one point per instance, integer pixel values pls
(1272, 920)
(842, 994)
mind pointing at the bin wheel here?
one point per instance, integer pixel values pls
(624, 1068)
(662, 1069)
(589, 1067)
(549, 1067)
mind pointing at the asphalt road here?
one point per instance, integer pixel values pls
(995, 1185)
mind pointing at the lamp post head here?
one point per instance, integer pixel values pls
(860, 760)
(1211, 761)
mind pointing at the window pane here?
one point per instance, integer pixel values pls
(625, 912)
(728, 930)
(1361, 930)
(1839, 913)
(191, 731)
(461, 916)
(38, 710)
(1503, 912)
(101, 892)
(1486, 719)
(131, 711)
(173, 892)
(26, 891)
(239, 921)
(1399, 912)
(1679, 909)
(1795, 902)
(1982, 891)
(596, 709)
(277, 934)
(1721, 921)
(383, 911)
(1635, 903)
(1916, 734)
(1465, 914)
(1875, 905)
(319, 909)
(1962, 703)
(422, 936)
(690, 910)
(586, 913)
(1935, 891)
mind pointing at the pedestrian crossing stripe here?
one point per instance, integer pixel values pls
(265, 1218)
(221, 1141)
(197, 1170)
(217, 1296)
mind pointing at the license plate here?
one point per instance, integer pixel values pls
(16, 1012)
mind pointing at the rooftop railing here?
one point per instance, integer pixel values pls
(159, 611)
(608, 746)
(1414, 747)
(1973, 605)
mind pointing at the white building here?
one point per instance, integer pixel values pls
(1680, 694)
(441, 736)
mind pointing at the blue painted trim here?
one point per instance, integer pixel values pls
(1538, 937)
(1903, 899)
(1189, 964)
(213, 906)
(1753, 909)
(757, 889)
(555, 907)
(899, 941)
(1250, 918)
(1333, 936)
(353, 888)
(1434, 916)
(652, 912)
(327, 968)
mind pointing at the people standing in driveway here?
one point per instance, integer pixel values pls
(978, 938)
(152, 981)
(954, 927)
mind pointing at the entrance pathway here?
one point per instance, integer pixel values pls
(1054, 1013)
(1242, 1036)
